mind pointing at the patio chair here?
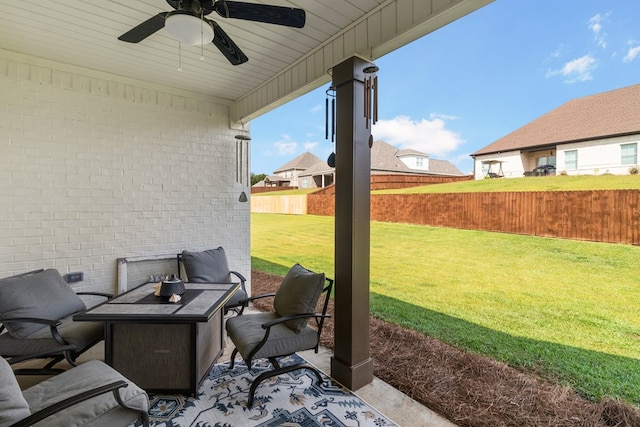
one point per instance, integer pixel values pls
(36, 312)
(284, 331)
(91, 394)
(211, 266)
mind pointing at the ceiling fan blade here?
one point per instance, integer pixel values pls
(227, 46)
(145, 29)
(279, 15)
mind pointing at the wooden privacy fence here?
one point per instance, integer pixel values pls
(388, 181)
(600, 215)
(291, 205)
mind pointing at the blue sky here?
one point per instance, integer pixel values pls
(468, 84)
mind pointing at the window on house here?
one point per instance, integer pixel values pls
(629, 154)
(304, 183)
(571, 159)
(546, 160)
(419, 162)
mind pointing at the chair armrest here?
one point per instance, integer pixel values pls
(73, 400)
(245, 301)
(53, 326)
(38, 320)
(98, 294)
(45, 354)
(274, 322)
(256, 297)
(239, 276)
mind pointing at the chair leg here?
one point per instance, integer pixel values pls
(234, 353)
(263, 376)
(70, 358)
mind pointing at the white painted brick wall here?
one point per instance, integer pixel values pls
(96, 167)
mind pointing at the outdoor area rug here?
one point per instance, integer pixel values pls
(291, 399)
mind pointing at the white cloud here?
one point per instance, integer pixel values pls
(317, 108)
(578, 70)
(632, 53)
(285, 147)
(309, 145)
(442, 116)
(428, 136)
(595, 25)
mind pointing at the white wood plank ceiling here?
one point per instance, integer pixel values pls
(283, 62)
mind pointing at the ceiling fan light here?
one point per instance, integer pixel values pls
(188, 28)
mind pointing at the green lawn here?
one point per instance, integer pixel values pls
(567, 310)
(538, 183)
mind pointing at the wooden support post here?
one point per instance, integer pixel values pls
(351, 363)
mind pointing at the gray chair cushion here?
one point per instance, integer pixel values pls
(103, 410)
(13, 407)
(240, 294)
(207, 266)
(79, 334)
(43, 294)
(246, 332)
(298, 293)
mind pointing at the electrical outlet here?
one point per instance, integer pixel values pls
(77, 276)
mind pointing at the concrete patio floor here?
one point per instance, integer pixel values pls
(390, 402)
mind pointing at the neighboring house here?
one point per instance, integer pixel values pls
(287, 174)
(385, 158)
(309, 171)
(586, 136)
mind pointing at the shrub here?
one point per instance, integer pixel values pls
(633, 170)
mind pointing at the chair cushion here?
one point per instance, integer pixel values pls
(246, 332)
(13, 406)
(43, 294)
(99, 410)
(80, 334)
(298, 293)
(207, 266)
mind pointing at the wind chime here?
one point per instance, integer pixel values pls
(330, 123)
(242, 160)
(370, 95)
(370, 108)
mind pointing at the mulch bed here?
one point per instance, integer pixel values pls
(466, 388)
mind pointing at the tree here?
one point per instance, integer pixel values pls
(257, 178)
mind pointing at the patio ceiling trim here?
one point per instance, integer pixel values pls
(388, 27)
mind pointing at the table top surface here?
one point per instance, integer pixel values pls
(200, 301)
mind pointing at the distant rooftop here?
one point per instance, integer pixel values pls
(303, 162)
(606, 114)
(385, 158)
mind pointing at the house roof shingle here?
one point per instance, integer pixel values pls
(606, 114)
(303, 161)
(385, 158)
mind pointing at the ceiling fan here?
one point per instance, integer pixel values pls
(187, 23)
